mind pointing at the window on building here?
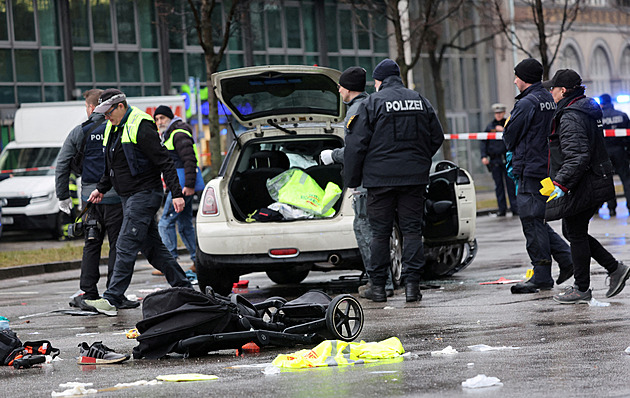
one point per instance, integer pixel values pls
(569, 59)
(23, 20)
(52, 66)
(624, 70)
(27, 66)
(101, 21)
(125, 22)
(600, 72)
(47, 21)
(105, 66)
(6, 66)
(82, 66)
(4, 33)
(78, 22)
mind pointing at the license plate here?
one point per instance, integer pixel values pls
(6, 220)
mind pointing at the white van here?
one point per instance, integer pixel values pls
(27, 165)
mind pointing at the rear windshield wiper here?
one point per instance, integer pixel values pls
(276, 125)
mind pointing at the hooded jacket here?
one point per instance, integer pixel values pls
(392, 138)
(526, 131)
(578, 161)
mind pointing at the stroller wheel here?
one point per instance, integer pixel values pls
(344, 317)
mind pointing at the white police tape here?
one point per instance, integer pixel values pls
(498, 136)
(27, 169)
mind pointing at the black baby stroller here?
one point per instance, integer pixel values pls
(191, 323)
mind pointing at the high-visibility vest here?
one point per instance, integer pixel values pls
(179, 163)
(137, 161)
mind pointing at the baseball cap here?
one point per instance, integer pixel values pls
(567, 78)
(109, 98)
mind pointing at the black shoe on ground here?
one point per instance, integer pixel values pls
(572, 295)
(501, 214)
(376, 294)
(99, 354)
(612, 212)
(128, 304)
(617, 279)
(412, 292)
(564, 275)
(79, 302)
(528, 287)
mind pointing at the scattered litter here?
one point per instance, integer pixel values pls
(470, 365)
(242, 284)
(389, 307)
(187, 377)
(86, 334)
(34, 333)
(132, 333)
(529, 274)
(75, 389)
(137, 383)
(481, 381)
(384, 371)
(271, 370)
(501, 281)
(445, 352)
(61, 311)
(483, 348)
(250, 347)
(132, 297)
(410, 355)
(595, 303)
(627, 351)
(255, 365)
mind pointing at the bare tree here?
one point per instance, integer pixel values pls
(435, 28)
(550, 22)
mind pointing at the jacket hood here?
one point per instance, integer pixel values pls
(585, 105)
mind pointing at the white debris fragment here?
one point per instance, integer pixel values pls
(470, 365)
(595, 303)
(481, 381)
(627, 351)
(445, 352)
(271, 370)
(388, 307)
(138, 383)
(75, 389)
(484, 347)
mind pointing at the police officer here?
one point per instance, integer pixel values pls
(525, 136)
(352, 91)
(389, 146)
(616, 147)
(134, 160)
(493, 157)
(82, 153)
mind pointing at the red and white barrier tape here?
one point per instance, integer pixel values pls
(27, 169)
(498, 136)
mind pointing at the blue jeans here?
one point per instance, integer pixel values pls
(166, 226)
(542, 242)
(383, 204)
(139, 232)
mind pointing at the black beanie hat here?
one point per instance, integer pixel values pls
(386, 68)
(529, 70)
(353, 79)
(163, 110)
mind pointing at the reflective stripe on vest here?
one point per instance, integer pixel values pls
(136, 160)
(170, 145)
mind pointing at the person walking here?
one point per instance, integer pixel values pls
(352, 91)
(178, 139)
(493, 157)
(389, 146)
(525, 136)
(82, 155)
(582, 175)
(616, 148)
(134, 159)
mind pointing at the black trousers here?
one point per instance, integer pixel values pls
(584, 247)
(110, 217)
(382, 206)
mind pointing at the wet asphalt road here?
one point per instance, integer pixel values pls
(564, 350)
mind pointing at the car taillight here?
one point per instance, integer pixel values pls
(209, 206)
(283, 252)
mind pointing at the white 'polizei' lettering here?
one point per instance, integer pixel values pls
(98, 137)
(547, 106)
(403, 105)
(613, 120)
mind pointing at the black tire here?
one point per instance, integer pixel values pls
(395, 254)
(344, 318)
(288, 276)
(446, 260)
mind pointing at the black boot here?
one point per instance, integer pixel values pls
(376, 294)
(412, 291)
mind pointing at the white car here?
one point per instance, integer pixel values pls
(292, 113)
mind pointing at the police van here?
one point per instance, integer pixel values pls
(27, 164)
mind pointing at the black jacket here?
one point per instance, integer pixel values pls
(494, 149)
(184, 154)
(391, 140)
(578, 159)
(526, 132)
(118, 174)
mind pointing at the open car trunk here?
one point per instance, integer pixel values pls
(266, 158)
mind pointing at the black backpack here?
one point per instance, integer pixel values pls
(179, 313)
(10, 346)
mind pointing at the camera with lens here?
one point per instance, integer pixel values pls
(89, 228)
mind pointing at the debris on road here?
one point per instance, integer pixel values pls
(484, 348)
(481, 381)
(187, 377)
(448, 351)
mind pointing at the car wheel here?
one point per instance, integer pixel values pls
(445, 260)
(221, 281)
(287, 276)
(395, 254)
(344, 317)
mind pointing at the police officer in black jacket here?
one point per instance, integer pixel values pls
(389, 146)
(525, 135)
(616, 147)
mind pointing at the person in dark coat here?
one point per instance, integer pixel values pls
(582, 174)
(616, 147)
(525, 135)
(493, 157)
(389, 146)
